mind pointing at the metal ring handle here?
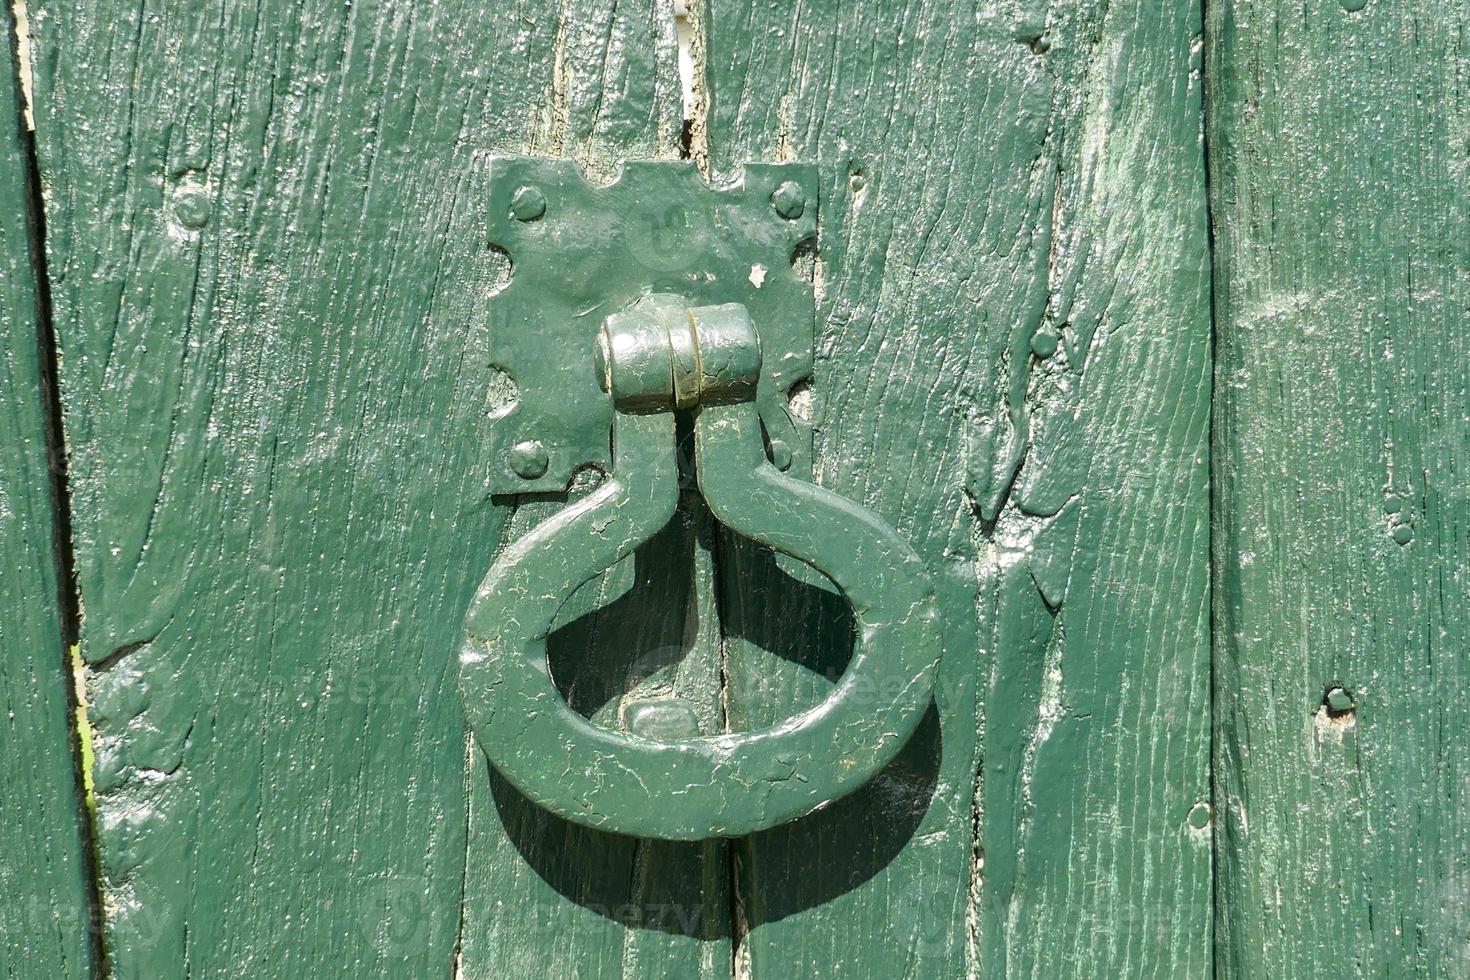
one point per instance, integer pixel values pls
(713, 785)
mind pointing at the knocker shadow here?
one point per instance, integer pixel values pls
(685, 888)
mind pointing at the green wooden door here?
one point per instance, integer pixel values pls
(249, 307)
(47, 906)
(1339, 193)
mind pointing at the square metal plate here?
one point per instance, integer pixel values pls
(580, 252)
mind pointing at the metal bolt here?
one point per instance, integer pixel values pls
(191, 206)
(529, 459)
(528, 204)
(1044, 343)
(1199, 816)
(1338, 701)
(789, 200)
(780, 455)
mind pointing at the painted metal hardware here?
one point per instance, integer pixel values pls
(581, 252)
(658, 354)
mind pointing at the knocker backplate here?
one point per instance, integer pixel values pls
(580, 252)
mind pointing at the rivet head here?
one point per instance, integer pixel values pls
(528, 204)
(1338, 701)
(1044, 343)
(191, 206)
(1199, 816)
(529, 459)
(780, 455)
(789, 200)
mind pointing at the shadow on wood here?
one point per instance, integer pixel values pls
(595, 676)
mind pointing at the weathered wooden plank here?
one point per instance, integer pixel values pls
(45, 922)
(271, 286)
(1339, 175)
(1014, 370)
(548, 897)
(545, 897)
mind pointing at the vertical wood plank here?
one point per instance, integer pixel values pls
(45, 922)
(544, 897)
(548, 897)
(1339, 172)
(271, 286)
(1014, 370)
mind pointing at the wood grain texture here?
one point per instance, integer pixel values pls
(44, 917)
(1013, 370)
(271, 288)
(1339, 174)
(545, 897)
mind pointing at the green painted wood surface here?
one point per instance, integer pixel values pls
(998, 177)
(1339, 175)
(544, 897)
(270, 286)
(45, 924)
(251, 334)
